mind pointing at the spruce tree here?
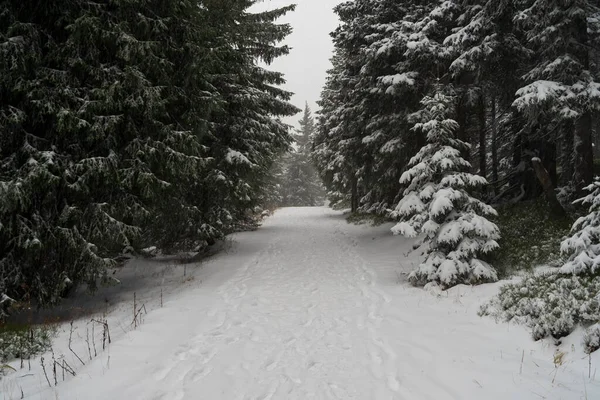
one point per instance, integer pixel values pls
(60, 167)
(127, 124)
(438, 203)
(559, 81)
(487, 54)
(249, 134)
(583, 245)
(386, 54)
(300, 184)
(329, 142)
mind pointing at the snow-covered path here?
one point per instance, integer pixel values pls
(309, 307)
(300, 320)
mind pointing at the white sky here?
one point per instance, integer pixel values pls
(306, 66)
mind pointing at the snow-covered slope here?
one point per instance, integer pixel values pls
(309, 307)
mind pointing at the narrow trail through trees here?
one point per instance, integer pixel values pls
(299, 320)
(311, 307)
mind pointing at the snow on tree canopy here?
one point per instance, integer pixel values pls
(235, 157)
(122, 139)
(438, 205)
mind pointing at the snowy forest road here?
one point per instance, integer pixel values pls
(311, 307)
(301, 319)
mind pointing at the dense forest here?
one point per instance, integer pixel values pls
(474, 124)
(125, 124)
(130, 124)
(523, 78)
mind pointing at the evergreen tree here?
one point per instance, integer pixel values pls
(59, 165)
(387, 52)
(306, 132)
(329, 141)
(126, 124)
(300, 182)
(249, 134)
(559, 81)
(487, 54)
(583, 245)
(384, 97)
(437, 202)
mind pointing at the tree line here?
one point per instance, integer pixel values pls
(296, 181)
(523, 75)
(432, 106)
(130, 123)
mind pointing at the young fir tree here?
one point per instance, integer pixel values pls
(300, 182)
(438, 204)
(583, 245)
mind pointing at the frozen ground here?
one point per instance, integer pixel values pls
(309, 307)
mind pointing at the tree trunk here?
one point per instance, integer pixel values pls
(596, 137)
(461, 118)
(482, 135)
(584, 153)
(566, 155)
(526, 176)
(494, 145)
(354, 199)
(544, 178)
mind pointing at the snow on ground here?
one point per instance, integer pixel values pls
(309, 307)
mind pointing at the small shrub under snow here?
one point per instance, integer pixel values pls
(24, 343)
(370, 219)
(591, 339)
(551, 305)
(529, 237)
(583, 245)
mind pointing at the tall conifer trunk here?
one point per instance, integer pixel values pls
(494, 143)
(482, 135)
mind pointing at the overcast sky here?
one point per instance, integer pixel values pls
(305, 67)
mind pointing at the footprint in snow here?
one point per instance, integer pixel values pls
(338, 391)
(216, 334)
(182, 354)
(289, 341)
(313, 365)
(270, 365)
(393, 383)
(200, 374)
(212, 312)
(232, 340)
(163, 373)
(208, 356)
